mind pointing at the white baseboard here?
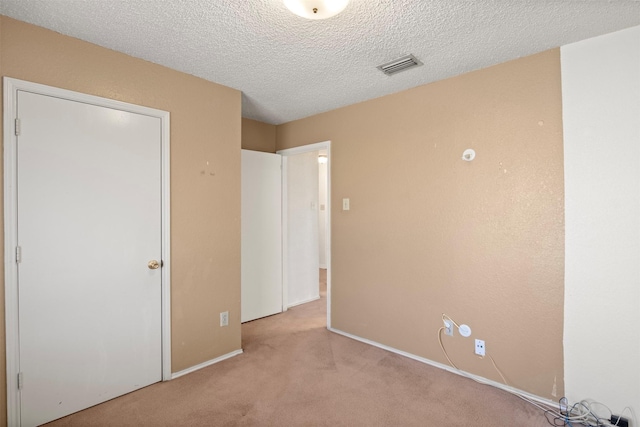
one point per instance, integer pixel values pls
(448, 368)
(304, 302)
(205, 364)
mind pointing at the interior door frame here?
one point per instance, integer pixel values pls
(11, 88)
(326, 145)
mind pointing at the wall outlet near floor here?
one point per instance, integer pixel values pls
(448, 327)
(224, 318)
(480, 348)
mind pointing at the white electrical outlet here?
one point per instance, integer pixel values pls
(480, 348)
(224, 318)
(448, 327)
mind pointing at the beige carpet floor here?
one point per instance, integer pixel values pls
(294, 372)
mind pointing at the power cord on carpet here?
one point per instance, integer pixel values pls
(580, 413)
(583, 414)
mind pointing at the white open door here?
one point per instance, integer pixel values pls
(261, 235)
(280, 232)
(89, 237)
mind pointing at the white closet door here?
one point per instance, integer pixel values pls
(89, 222)
(261, 235)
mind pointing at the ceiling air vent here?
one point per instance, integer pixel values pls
(400, 64)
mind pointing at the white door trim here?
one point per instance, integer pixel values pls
(326, 145)
(11, 87)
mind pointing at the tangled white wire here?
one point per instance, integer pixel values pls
(581, 412)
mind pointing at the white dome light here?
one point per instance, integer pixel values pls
(316, 9)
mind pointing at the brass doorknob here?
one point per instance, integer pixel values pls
(153, 265)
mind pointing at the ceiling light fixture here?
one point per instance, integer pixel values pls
(316, 9)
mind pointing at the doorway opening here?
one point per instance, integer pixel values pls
(306, 195)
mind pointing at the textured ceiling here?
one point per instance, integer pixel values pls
(288, 67)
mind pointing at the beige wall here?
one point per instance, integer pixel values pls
(429, 233)
(205, 174)
(258, 136)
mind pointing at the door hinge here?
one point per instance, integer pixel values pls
(20, 380)
(18, 254)
(17, 127)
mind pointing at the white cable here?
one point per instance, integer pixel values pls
(444, 316)
(574, 414)
(590, 414)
